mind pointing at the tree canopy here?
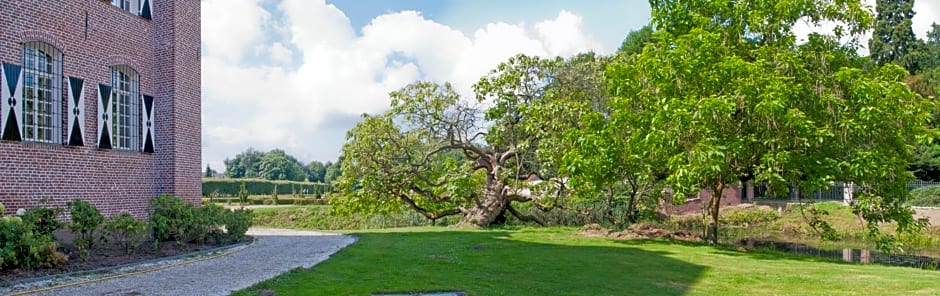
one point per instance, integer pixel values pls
(893, 40)
(713, 93)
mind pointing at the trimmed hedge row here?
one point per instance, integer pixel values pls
(230, 187)
(268, 201)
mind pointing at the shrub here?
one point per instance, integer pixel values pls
(127, 231)
(21, 247)
(274, 193)
(748, 216)
(237, 223)
(206, 222)
(42, 220)
(925, 197)
(86, 219)
(171, 218)
(242, 194)
(268, 202)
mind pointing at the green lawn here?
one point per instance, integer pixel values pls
(553, 261)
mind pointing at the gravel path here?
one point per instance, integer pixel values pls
(276, 251)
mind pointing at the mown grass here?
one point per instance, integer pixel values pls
(558, 261)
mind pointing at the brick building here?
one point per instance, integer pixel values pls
(100, 101)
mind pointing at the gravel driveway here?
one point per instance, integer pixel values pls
(276, 251)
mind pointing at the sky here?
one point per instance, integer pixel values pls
(297, 74)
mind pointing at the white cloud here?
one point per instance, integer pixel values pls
(565, 35)
(306, 107)
(926, 13)
(281, 54)
(230, 28)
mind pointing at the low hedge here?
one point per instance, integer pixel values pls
(230, 187)
(266, 200)
(925, 197)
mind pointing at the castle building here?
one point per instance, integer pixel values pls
(100, 102)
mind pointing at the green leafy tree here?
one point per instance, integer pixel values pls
(316, 171)
(333, 171)
(893, 40)
(209, 172)
(727, 96)
(636, 40)
(438, 154)
(245, 164)
(278, 165)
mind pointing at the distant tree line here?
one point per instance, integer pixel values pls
(278, 165)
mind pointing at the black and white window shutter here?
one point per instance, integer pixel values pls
(146, 9)
(147, 128)
(76, 111)
(12, 95)
(104, 116)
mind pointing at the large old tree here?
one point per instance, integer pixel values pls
(440, 154)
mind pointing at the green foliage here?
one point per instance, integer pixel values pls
(925, 197)
(171, 219)
(209, 172)
(237, 223)
(245, 164)
(206, 223)
(926, 164)
(259, 200)
(42, 220)
(333, 170)
(232, 187)
(316, 171)
(242, 193)
(20, 246)
(748, 216)
(274, 194)
(726, 95)
(893, 40)
(320, 218)
(86, 220)
(277, 165)
(127, 231)
(179, 221)
(636, 40)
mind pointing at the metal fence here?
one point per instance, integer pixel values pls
(835, 193)
(919, 184)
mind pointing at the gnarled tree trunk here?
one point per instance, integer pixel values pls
(493, 203)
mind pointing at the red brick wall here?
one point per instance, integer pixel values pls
(114, 181)
(695, 204)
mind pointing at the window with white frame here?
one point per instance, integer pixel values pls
(128, 5)
(42, 93)
(125, 108)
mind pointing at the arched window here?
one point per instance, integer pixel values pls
(125, 108)
(42, 93)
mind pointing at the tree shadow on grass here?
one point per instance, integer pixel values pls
(805, 254)
(489, 262)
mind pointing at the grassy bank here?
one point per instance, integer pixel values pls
(558, 261)
(319, 218)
